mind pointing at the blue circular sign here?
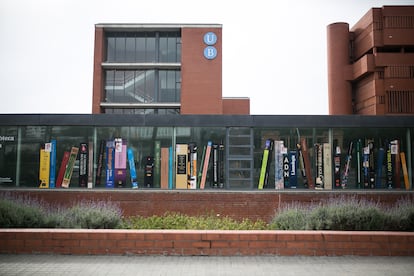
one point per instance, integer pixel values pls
(210, 38)
(210, 52)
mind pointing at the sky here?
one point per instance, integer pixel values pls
(274, 52)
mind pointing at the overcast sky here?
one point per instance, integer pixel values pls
(274, 52)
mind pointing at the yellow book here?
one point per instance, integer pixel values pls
(44, 168)
(181, 166)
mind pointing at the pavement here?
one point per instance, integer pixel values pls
(198, 265)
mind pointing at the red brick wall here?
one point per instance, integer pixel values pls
(97, 93)
(239, 106)
(236, 204)
(193, 242)
(201, 90)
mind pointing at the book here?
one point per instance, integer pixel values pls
(69, 168)
(327, 166)
(52, 173)
(279, 181)
(206, 165)
(132, 169)
(44, 166)
(181, 166)
(90, 165)
(165, 152)
(83, 164)
(100, 163)
(192, 166)
(62, 169)
(110, 164)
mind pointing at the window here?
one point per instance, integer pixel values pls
(143, 47)
(142, 86)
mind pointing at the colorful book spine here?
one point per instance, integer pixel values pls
(69, 168)
(221, 165)
(380, 163)
(110, 164)
(200, 171)
(319, 179)
(389, 183)
(365, 166)
(149, 172)
(337, 167)
(62, 169)
(293, 168)
(192, 166)
(120, 162)
(264, 171)
(132, 169)
(181, 166)
(90, 165)
(100, 163)
(347, 167)
(83, 165)
(371, 164)
(52, 174)
(170, 168)
(279, 180)
(164, 167)
(215, 177)
(286, 166)
(157, 164)
(44, 167)
(358, 164)
(302, 166)
(405, 171)
(395, 153)
(327, 166)
(205, 165)
(306, 159)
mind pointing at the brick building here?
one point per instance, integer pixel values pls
(160, 69)
(371, 65)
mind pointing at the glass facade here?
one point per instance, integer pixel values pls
(140, 75)
(376, 154)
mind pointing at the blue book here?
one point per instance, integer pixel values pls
(380, 161)
(110, 163)
(293, 169)
(52, 174)
(132, 170)
(170, 169)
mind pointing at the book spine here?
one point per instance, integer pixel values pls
(405, 171)
(132, 169)
(327, 165)
(52, 176)
(306, 159)
(157, 164)
(164, 167)
(170, 168)
(286, 166)
(90, 165)
(69, 168)
(62, 169)
(110, 164)
(44, 167)
(100, 162)
(192, 166)
(181, 166)
(279, 181)
(319, 180)
(83, 165)
(205, 165)
(380, 163)
(264, 165)
(293, 177)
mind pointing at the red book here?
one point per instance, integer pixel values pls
(62, 169)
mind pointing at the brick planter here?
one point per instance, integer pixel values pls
(205, 242)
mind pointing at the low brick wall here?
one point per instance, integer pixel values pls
(235, 204)
(205, 242)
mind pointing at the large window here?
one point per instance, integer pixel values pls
(143, 47)
(142, 86)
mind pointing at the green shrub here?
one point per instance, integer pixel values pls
(20, 212)
(345, 213)
(181, 221)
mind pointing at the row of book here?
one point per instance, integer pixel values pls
(373, 167)
(114, 156)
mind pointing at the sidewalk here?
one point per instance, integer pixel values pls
(176, 265)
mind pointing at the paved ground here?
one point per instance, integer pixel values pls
(161, 265)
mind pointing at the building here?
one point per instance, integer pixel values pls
(160, 69)
(371, 65)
